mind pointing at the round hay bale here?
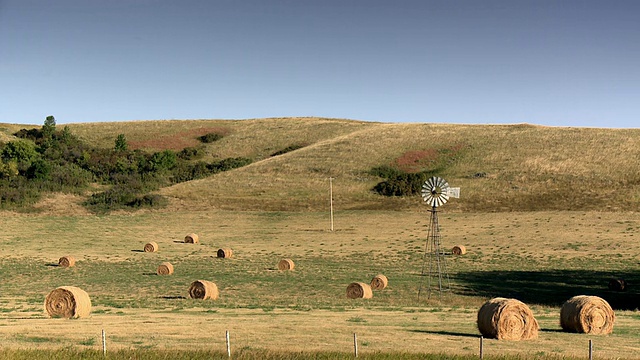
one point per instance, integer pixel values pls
(379, 282)
(225, 253)
(507, 319)
(459, 250)
(67, 261)
(67, 302)
(165, 269)
(203, 289)
(191, 239)
(587, 314)
(358, 290)
(617, 285)
(151, 246)
(286, 264)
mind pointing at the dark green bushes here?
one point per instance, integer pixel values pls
(210, 137)
(398, 182)
(47, 160)
(288, 149)
(402, 184)
(198, 170)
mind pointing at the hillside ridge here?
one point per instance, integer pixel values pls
(519, 167)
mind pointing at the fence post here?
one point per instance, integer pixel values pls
(228, 343)
(355, 345)
(104, 343)
(590, 349)
(481, 348)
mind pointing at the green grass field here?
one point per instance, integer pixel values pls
(545, 214)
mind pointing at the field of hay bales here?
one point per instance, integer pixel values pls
(541, 258)
(545, 214)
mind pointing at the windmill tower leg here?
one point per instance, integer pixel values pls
(437, 276)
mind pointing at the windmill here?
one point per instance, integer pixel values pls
(435, 192)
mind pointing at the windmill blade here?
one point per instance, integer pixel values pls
(435, 191)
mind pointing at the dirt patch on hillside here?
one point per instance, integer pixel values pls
(417, 160)
(177, 141)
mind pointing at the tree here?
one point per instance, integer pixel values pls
(22, 152)
(121, 143)
(66, 135)
(49, 127)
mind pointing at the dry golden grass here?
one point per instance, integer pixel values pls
(517, 183)
(502, 167)
(499, 167)
(253, 138)
(320, 319)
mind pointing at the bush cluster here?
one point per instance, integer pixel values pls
(210, 137)
(288, 149)
(47, 160)
(398, 182)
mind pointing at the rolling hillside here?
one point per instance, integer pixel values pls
(498, 167)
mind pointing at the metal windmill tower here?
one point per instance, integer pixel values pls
(435, 192)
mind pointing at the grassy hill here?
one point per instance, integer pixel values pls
(498, 167)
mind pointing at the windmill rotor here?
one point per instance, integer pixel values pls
(435, 191)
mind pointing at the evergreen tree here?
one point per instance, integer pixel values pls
(49, 127)
(121, 143)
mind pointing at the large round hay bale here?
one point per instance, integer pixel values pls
(358, 290)
(379, 282)
(617, 284)
(286, 264)
(459, 250)
(191, 239)
(225, 253)
(203, 289)
(67, 302)
(507, 319)
(165, 269)
(587, 314)
(67, 261)
(151, 246)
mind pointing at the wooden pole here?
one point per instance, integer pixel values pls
(481, 348)
(331, 200)
(228, 343)
(590, 349)
(355, 345)
(104, 343)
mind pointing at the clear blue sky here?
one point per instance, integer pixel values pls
(548, 62)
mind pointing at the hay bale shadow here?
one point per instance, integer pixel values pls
(172, 297)
(548, 287)
(448, 333)
(52, 264)
(136, 250)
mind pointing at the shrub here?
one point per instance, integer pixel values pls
(112, 199)
(190, 171)
(40, 169)
(70, 177)
(23, 151)
(229, 164)
(210, 137)
(17, 191)
(402, 184)
(288, 149)
(149, 201)
(191, 153)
